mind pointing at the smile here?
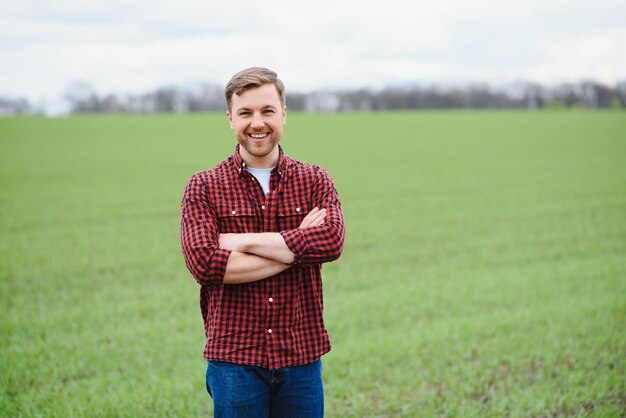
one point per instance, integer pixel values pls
(258, 136)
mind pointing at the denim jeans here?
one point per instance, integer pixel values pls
(248, 391)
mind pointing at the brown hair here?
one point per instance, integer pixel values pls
(251, 78)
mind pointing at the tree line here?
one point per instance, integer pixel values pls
(81, 97)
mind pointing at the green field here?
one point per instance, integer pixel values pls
(484, 271)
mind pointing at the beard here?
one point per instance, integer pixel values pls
(259, 149)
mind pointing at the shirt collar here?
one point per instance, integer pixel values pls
(281, 168)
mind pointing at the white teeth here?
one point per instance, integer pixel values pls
(258, 136)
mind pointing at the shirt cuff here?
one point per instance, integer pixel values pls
(296, 242)
(217, 266)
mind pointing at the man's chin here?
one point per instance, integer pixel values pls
(258, 151)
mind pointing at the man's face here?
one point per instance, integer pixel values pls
(257, 117)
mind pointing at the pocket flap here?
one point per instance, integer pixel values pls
(235, 209)
(292, 209)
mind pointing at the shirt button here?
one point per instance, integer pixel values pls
(262, 206)
(271, 300)
(234, 212)
(297, 209)
(269, 331)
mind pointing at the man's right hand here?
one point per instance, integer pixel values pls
(313, 218)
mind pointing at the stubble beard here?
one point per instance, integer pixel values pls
(259, 151)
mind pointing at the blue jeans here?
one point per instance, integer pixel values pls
(248, 391)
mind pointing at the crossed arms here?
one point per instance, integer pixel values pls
(216, 258)
(257, 256)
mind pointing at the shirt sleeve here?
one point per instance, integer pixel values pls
(322, 243)
(199, 235)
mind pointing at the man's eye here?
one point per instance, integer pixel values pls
(269, 112)
(244, 113)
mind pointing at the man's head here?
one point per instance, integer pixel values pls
(250, 78)
(257, 113)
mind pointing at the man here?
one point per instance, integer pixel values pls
(255, 230)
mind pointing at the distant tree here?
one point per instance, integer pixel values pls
(165, 99)
(209, 97)
(82, 97)
(604, 94)
(533, 96)
(295, 101)
(360, 99)
(620, 92)
(12, 107)
(112, 104)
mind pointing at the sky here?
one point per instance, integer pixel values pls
(135, 46)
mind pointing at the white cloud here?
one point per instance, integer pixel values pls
(600, 56)
(139, 45)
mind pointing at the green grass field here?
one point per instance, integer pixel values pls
(484, 271)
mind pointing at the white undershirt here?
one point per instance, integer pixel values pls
(263, 177)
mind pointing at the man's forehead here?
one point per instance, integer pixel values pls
(262, 96)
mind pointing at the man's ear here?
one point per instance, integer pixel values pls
(230, 119)
(284, 115)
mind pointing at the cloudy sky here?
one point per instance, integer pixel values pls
(133, 46)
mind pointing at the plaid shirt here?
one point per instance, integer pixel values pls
(276, 322)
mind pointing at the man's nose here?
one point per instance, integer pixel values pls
(257, 121)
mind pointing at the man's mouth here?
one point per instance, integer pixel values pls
(258, 136)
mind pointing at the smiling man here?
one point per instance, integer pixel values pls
(255, 231)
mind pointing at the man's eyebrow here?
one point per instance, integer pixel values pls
(247, 109)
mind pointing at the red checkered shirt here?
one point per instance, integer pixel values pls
(276, 322)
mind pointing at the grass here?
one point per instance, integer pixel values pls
(484, 272)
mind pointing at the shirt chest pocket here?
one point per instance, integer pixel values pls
(237, 218)
(290, 214)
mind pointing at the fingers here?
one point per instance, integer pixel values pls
(314, 218)
(310, 215)
(307, 219)
(318, 218)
